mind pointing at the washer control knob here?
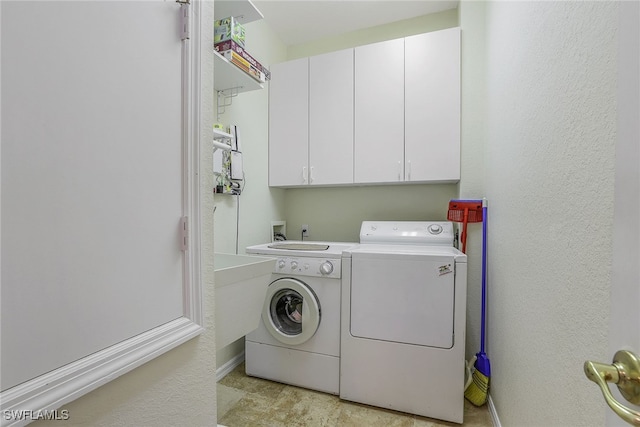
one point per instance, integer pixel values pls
(326, 268)
(294, 265)
(435, 229)
(281, 264)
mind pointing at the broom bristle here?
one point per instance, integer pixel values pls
(477, 391)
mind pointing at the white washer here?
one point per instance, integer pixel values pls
(298, 339)
(403, 319)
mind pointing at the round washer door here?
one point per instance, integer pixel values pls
(291, 311)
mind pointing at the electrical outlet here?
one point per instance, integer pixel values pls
(305, 230)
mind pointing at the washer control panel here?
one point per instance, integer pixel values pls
(314, 267)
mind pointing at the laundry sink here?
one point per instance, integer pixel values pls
(241, 283)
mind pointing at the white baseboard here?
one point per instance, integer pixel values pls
(225, 369)
(493, 412)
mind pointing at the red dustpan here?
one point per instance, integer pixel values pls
(465, 211)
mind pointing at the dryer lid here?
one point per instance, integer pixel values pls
(425, 233)
(398, 252)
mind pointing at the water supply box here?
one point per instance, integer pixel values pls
(229, 29)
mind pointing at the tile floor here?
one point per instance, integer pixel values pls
(245, 401)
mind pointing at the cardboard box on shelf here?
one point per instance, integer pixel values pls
(229, 29)
(243, 64)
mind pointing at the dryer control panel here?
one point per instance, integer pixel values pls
(314, 267)
(425, 233)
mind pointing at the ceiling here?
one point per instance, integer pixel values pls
(302, 21)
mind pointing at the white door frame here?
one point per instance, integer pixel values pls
(65, 384)
(624, 327)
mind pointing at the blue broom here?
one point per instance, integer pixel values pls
(478, 390)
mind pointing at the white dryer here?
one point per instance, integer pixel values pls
(403, 319)
(298, 339)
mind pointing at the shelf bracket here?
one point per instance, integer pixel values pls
(225, 99)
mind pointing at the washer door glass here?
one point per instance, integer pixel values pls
(291, 311)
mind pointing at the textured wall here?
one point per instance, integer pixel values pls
(549, 174)
(177, 388)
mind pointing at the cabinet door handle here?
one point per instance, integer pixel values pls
(399, 170)
(409, 170)
(311, 175)
(304, 174)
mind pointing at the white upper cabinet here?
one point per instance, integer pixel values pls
(289, 123)
(387, 112)
(379, 112)
(432, 106)
(331, 118)
(311, 121)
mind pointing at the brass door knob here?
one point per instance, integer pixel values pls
(625, 372)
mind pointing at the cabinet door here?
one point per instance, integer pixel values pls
(379, 112)
(289, 123)
(331, 118)
(432, 106)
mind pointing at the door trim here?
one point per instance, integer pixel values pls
(624, 333)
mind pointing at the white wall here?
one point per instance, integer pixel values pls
(550, 109)
(177, 388)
